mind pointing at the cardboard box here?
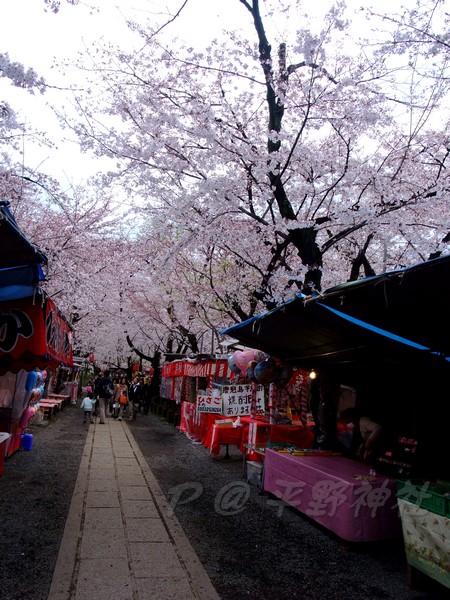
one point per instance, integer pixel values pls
(224, 422)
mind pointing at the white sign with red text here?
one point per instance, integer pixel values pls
(210, 403)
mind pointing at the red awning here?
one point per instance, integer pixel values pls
(33, 334)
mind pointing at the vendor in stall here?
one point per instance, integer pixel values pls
(367, 434)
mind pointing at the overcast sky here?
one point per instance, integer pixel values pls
(40, 39)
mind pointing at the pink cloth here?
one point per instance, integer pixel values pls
(325, 489)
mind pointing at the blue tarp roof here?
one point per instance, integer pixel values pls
(20, 260)
(19, 282)
(402, 312)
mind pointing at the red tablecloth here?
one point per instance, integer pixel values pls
(255, 432)
(13, 444)
(219, 435)
(325, 488)
(297, 435)
(196, 424)
(258, 432)
(4, 442)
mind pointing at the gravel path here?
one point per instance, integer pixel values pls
(248, 548)
(35, 494)
(255, 553)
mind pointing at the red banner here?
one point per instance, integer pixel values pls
(32, 335)
(209, 368)
(173, 369)
(58, 334)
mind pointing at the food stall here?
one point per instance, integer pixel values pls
(181, 381)
(383, 337)
(231, 408)
(34, 335)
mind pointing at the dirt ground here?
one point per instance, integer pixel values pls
(250, 547)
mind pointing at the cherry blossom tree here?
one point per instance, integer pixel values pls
(258, 166)
(12, 131)
(271, 166)
(416, 41)
(78, 230)
(55, 5)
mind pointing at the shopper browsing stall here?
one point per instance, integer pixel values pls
(366, 434)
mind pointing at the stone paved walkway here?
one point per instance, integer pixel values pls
(121, 539)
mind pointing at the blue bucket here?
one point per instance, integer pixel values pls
(26, 441)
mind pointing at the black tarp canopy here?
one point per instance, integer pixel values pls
(401, 314)
(15, 248)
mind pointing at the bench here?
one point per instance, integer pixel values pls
(48, 407)
(63, 397)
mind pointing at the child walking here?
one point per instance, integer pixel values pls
(88, 406)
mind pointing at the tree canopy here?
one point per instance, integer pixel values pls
(285, 157)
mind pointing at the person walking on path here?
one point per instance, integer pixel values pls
(120, 399)
(135, 398)
(87, 405)
(104, 390)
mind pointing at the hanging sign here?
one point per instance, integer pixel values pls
(21, 329)
(173, 369)
(32, 335)
(210, 403)
(165, 388)
(177, 389)
(237, 399)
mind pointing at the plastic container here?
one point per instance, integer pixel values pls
(254, 472)
(433, 496)
(27, 441)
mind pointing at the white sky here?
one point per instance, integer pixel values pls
(39, 39)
